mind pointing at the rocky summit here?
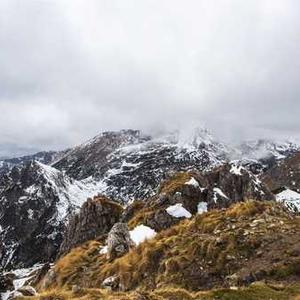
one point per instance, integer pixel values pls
(132, 216)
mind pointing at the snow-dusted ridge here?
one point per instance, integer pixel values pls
(36, 204)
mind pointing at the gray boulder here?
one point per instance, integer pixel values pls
(118, 241)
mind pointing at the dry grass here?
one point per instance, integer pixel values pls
(257, 291)
(173, 184)
(193, 255)
(80, 265)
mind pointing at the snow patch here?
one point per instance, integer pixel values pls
(193, 182)
(141, 233)
(103, 250)
(178, 211)
(202, 207)
(236, 170)
(218, 191)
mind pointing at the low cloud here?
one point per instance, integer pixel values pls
(70, 69)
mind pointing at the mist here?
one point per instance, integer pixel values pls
(71, 69)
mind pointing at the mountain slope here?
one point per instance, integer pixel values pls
(232, 248)
(130, 165)
(35, 202)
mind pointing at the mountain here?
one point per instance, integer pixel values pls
(262, 154)
(62, 207)
(45, 157)
(36, 201)
(130, 165)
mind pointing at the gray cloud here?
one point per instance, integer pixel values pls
(69, 69)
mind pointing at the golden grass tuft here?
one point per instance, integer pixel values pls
(172, 185)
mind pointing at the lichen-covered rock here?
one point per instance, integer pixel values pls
(118, 241)
(96, 217)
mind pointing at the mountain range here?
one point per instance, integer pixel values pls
(42, 195)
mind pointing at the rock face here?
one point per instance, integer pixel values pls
(35, 202)
(188, 193)
(232, 183)
(285, 174)
(96, 217)
(118, 241)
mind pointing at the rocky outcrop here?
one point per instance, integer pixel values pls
(232, 183)
(95, 218)
(189, 193)
(119, 241)
(285, 174)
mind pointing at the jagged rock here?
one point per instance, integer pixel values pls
(96, 217)
(118, 241)
(6, 282)
(27, 290)
(196, 192)
(232, 183)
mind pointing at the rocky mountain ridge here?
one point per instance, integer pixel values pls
(37, 200)
(45, 157)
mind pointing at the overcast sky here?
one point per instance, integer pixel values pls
(70, 69)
